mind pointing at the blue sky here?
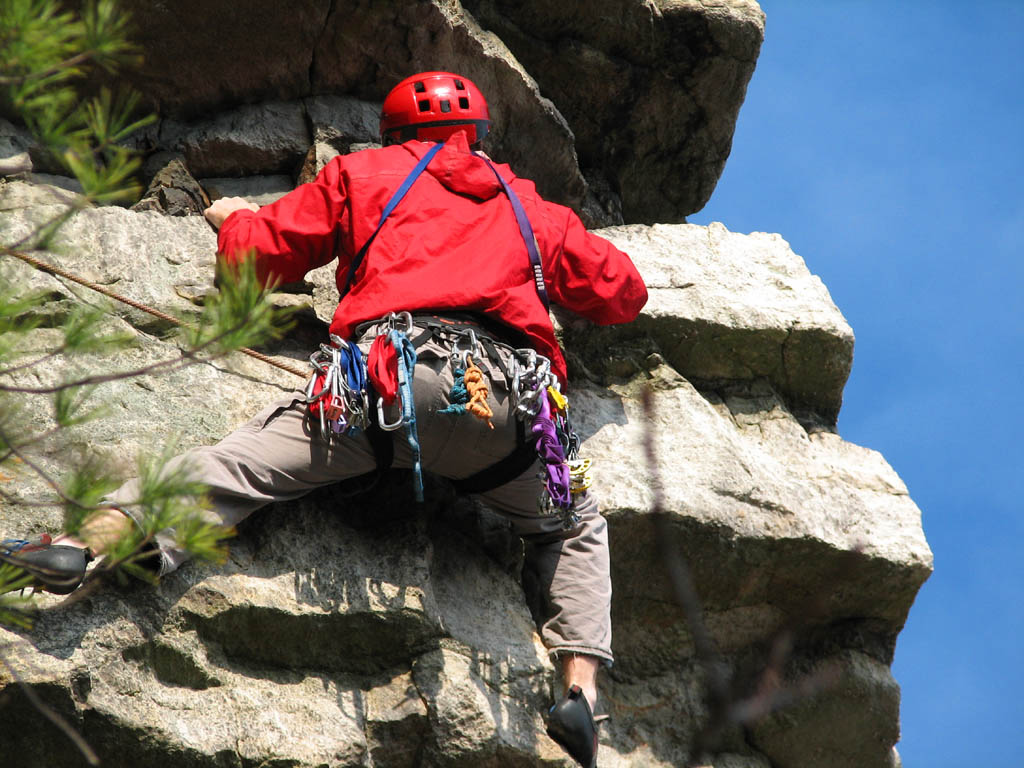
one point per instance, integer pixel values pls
(883, 140)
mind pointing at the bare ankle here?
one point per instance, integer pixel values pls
(581, 670)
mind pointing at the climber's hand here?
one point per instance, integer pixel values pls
(225, 206)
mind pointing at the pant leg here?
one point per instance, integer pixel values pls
(274, 457)
(568, 569)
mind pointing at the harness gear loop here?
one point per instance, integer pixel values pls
(461, 355)
(395, 317)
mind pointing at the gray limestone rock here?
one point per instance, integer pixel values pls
(727, 306)
(251, 140)
(174, 192)
(650, 89)
(14, 146)
(642, 96)
(203, 57)
(262, 190)
(346, 629)
(342, 121)
(527, 130)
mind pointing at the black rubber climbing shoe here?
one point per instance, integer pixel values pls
(571, 724)
(56, 568)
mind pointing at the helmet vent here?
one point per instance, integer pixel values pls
(459, 85)
(463, 102)
(424, 105)
(446, 106)
(420, 87)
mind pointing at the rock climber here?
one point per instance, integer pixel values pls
(443, 357)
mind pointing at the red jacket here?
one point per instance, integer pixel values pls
(452, 243)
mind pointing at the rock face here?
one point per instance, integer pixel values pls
(622, 109)
(350, 628)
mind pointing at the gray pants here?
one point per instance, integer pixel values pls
(280, 455)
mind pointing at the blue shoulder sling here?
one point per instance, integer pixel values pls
(524, 225)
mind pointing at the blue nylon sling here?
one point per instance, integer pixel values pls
(392, 204)
(525, 229)
(528, 237)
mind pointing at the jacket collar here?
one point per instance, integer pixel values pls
(459, 169)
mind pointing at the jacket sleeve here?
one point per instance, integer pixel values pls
(292, 236)
(594, 278)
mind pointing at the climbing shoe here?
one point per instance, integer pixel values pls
(571, 725)
(56, 568)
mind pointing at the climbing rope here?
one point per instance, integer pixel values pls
(52, 270)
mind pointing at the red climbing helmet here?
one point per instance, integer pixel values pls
(431, 106)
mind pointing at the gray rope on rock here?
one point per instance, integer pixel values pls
(50, 269)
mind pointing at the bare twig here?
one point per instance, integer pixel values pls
(56, 69)
(725, 707)
(37, 469)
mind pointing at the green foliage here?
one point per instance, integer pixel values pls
(46, 52)
(82, 334)
(239, 315)
(85, 486)
(15, 608)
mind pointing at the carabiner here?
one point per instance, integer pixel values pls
(462, 354)
(394, 317)
(382, 419)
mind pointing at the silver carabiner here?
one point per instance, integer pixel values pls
(462, 354)
(382, 419)
(394, 317)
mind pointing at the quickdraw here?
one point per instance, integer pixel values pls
(336, 392)
(406, 359)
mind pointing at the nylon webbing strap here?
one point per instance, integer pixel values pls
(528, 237)
(392, 204)
(505, 470)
